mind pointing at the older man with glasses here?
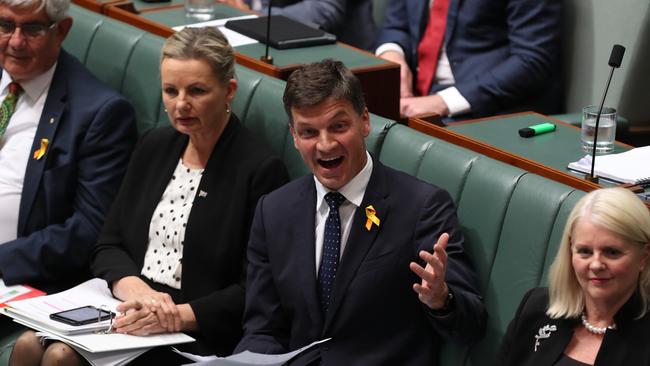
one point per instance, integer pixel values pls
(65, 140)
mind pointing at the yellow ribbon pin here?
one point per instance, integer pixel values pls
(372, 217)
(38, 154)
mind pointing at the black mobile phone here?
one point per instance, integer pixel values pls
(81, 316)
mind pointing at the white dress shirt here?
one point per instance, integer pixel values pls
(353, 193)
(163, 261)
(455, 101)
(16, 145)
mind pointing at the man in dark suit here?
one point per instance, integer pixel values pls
(350, 20)
(475, 58)
(345, 252)
(63, 152)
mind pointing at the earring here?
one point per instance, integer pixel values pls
(165, 110)
(227, 108)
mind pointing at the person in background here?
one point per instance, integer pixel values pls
(350, 20)
(173, 246)
(65, 141)
(356, 251)
(596, 308)
(474, 58)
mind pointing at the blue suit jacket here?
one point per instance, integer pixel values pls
(375, 318)
(67, 193)
(504, 54)
(350, 20)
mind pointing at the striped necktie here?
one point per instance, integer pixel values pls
(9, 106)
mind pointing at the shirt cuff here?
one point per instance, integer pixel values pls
(456, 103)
(390, 46)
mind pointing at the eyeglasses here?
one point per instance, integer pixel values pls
(29, 30)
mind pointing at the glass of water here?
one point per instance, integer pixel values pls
(200, 10)
(606, 129)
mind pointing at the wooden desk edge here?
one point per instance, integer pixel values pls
(117, 12)
(93, 5)
(501, 155)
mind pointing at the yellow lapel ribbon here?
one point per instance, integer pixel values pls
(38, 154)
(372, 217)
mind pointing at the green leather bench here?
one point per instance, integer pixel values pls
(512, 219)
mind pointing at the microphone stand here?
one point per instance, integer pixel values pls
(615, 59)
(267, 58)
(590, 176)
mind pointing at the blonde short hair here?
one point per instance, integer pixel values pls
(202, 43)
(617, 210)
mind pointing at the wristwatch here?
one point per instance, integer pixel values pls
(448, 306)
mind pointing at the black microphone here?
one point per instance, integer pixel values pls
(615, 59)
(266, 58)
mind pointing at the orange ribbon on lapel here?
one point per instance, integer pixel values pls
(38, 154)
(371, 214)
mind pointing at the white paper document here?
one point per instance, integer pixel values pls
(110, 358)
(628, 167)
(9, 292)
(97, 348)
(235, 39)
(248, 358)
(37, 310)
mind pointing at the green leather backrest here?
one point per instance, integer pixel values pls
(84, 26)
(127, 59)
(558, 229)
(511, 219)
(247, 82)
(266, 117)
(141, 83)
(110, 50)
(123, 57)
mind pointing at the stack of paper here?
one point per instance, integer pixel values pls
(100, 349)
(629, 167)
(235, 39)
(248, 358)
(17, 292)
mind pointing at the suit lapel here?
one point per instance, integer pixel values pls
(47, 126)
(165, 166)
(305, 247)
(360, 239)
(420, 7)
(452, 16)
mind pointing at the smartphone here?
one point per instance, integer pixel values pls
(81, 316)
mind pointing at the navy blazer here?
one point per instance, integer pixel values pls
(626, 345)
(350, 20)
(504, 54)
(66, 194)
(240, 170)
(375, 318)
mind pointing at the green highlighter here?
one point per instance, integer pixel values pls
(535, 130)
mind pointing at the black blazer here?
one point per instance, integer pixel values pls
(375, 318)
(626, 345)
(239, 171)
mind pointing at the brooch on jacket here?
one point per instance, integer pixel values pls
(543, 333)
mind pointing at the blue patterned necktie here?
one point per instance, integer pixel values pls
(331, 249)
(8, 106)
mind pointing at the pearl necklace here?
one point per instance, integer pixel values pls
(594, 329)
